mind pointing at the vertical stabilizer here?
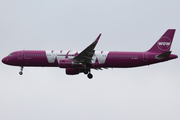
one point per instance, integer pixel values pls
(164, 43)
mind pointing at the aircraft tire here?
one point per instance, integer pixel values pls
(20, 73)
(85, 72)
(90, 76)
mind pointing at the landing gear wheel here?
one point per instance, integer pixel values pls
(20, 72)
(90, 76)
(85, 71)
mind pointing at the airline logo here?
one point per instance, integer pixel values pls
(52, 55)
(164, 44)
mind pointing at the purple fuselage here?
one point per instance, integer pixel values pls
(100, 59)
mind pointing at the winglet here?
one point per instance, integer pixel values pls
(97, 39)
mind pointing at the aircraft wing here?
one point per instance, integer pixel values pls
(86, 55)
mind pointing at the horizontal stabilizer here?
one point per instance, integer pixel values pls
(164, 55)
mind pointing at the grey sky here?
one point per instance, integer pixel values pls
(149, 92)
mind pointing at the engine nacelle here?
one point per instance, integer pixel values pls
(65, 63)
(72, 71)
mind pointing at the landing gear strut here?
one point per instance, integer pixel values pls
(20, 73)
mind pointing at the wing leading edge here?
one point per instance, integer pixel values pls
(86, 55)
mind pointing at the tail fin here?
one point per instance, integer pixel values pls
(164, 43)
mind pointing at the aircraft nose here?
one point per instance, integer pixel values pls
(4, 60)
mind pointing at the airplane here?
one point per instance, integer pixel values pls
(75, 62)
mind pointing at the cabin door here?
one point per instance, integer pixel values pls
(20, 55)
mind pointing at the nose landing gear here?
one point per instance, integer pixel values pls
(20, 73)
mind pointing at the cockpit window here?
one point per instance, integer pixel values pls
(11, 55)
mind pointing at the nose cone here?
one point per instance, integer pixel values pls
(5, 60)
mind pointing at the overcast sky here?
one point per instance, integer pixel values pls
(144, 93)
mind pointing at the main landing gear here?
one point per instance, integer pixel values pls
(20, 73)
(88, 73)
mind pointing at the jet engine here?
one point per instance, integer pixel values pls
(65, 63)
(72, 71)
